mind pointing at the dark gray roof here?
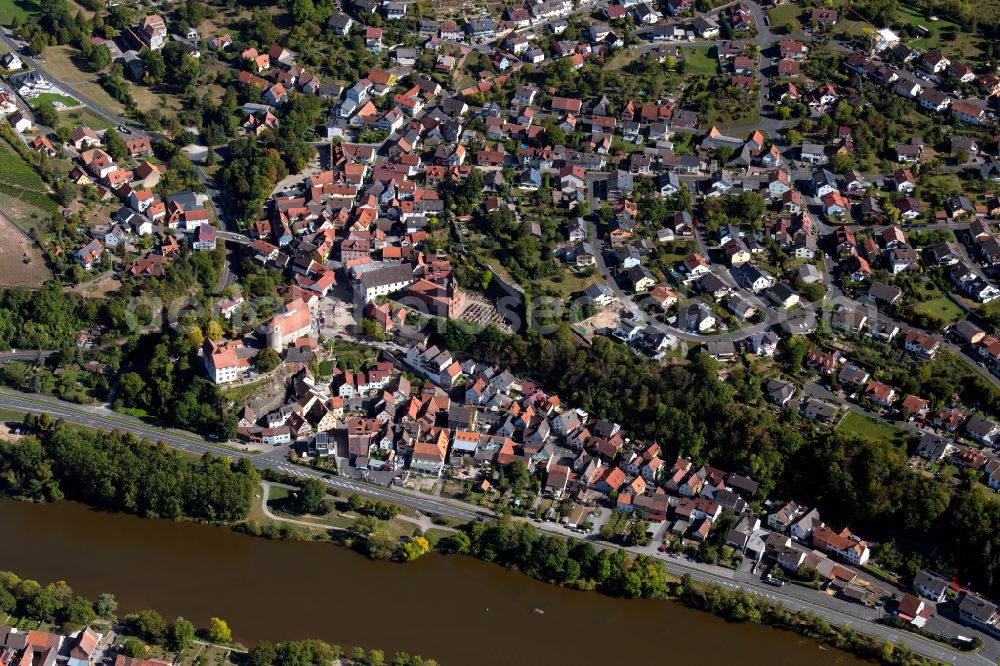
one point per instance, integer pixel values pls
(929, 581)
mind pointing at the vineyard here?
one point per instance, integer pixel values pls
(21, 183)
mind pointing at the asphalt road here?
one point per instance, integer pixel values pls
(797, 598)
(833, 610)
(182, 440)
(32, 62)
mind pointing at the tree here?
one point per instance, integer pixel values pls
(637, 532)
(133, 647)
(371, 330)
(752, 206)
(195, 338)
(354, 503)
(132, 390)
(303, 11)
(377, 542)
(42, 605)
(796, 349)
(98, 56)
(841, 163)
(414, 548)
(181, 635)
(47, 114)
(156, 68)
(263, 654)
(267, 360)
(8, 602)
(218, 631)
(114, 145)
(106, 606)
(77, 613)
(458, 543)
(213, 331)
(147, 624)
(311, 496)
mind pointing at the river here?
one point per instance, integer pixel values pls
(455, 609)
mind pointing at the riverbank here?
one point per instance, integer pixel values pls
(283, 590)
(57, 616)
(67, 459)
(629, 576)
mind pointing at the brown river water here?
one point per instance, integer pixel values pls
(456, 610)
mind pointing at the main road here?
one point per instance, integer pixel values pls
(16, 46)
(834, 611)
(102, 418)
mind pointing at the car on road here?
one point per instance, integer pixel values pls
(327, 476)
(124, 130)
(771, 580)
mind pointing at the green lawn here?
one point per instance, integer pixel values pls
(621, 59)
(749, 114)
(11, 415)
(701, 60)
(789, 13)
(278, 493)
(942, 307)
(20, 9)
(55, 99)
(871, 429)
(944, 35)
(353, 354)
(84, 116)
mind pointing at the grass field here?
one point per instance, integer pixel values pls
(353, 355)
(15, 172)
(99, 96)
(701, 60)
(790, 13)
(621, 59)
(566, 283)
(22, 214)
(20, 9)
(59, 61)
(241, 394)
(84, 116)
(21, 262)
(749, 115)
(945, 36)
(871, 429)
(54, 99)
(147, 100)
(941, 307)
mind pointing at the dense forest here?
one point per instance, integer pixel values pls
(691, 412)
(120, 472)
